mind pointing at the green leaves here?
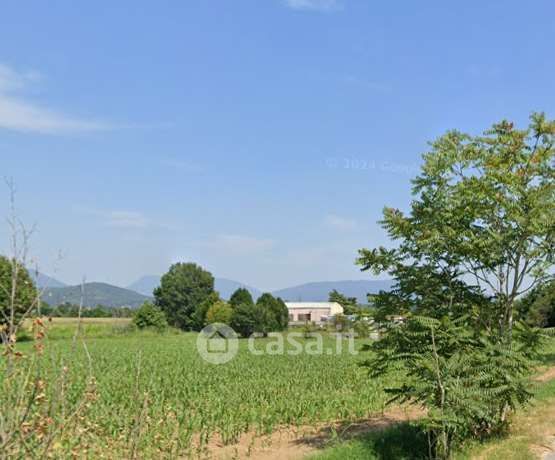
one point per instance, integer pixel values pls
(241, 296)
(269, 314)
(482, 221)
(479, 233)
(537, 308)
(219, 312)
(275, 311)
(464, 381)
(150, 316)
(349, 304)
(378, 260)
(182, 289)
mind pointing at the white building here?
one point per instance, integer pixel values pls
(317, 312)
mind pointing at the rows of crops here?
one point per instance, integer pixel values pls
(155, 393)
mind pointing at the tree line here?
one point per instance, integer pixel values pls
(187, 299)
(536, 308)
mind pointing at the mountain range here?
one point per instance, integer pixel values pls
(319, 291)
(225, 287)
(57, 292)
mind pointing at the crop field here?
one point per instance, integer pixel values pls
(155, 396)
(149, 395)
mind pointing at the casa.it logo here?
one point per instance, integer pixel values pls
(217, 343)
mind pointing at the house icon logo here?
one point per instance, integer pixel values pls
(217, 343)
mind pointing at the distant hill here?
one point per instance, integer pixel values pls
(44, 281)
(319, 291)
(225, 287)
(309, 292)
(95, 294)
(141, 290)
(145, 285)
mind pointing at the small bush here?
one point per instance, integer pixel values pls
(150, 316)
(220, 312)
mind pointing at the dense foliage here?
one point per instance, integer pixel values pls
(249, 319)
(537, 308)
(268, 314)
(275, 312)
(201, 310)
(480, 232)
(482, 221)
(465, 381)
(150, 316)
(241, 297)
(219, 312)
(22, 298)
(182, 289)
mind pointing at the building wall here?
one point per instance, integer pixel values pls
(299, 314)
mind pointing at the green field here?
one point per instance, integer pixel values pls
(64, 328)
(158, 386)
(154, 396)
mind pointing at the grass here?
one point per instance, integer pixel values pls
(64, 328)
(401, 442)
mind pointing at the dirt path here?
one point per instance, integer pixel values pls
(297, 443)
(548, 374)
(542, 423)
(550, 454)
(541, 428)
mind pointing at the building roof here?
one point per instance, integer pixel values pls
(333, 307)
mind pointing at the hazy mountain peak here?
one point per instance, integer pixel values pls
(146, 285)
(316, 291)
(44, 281)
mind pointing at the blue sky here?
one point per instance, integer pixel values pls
(260, 138)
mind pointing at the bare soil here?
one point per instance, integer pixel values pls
(295, 443)
(545, 375)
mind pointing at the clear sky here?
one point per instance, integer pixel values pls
(259, 138)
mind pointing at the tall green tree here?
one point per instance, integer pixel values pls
(482, 223)
(479, 233)
(18, 293)
(241, 297)
(247, 319)
(182, 289)
(278, 315)
(269, 314)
